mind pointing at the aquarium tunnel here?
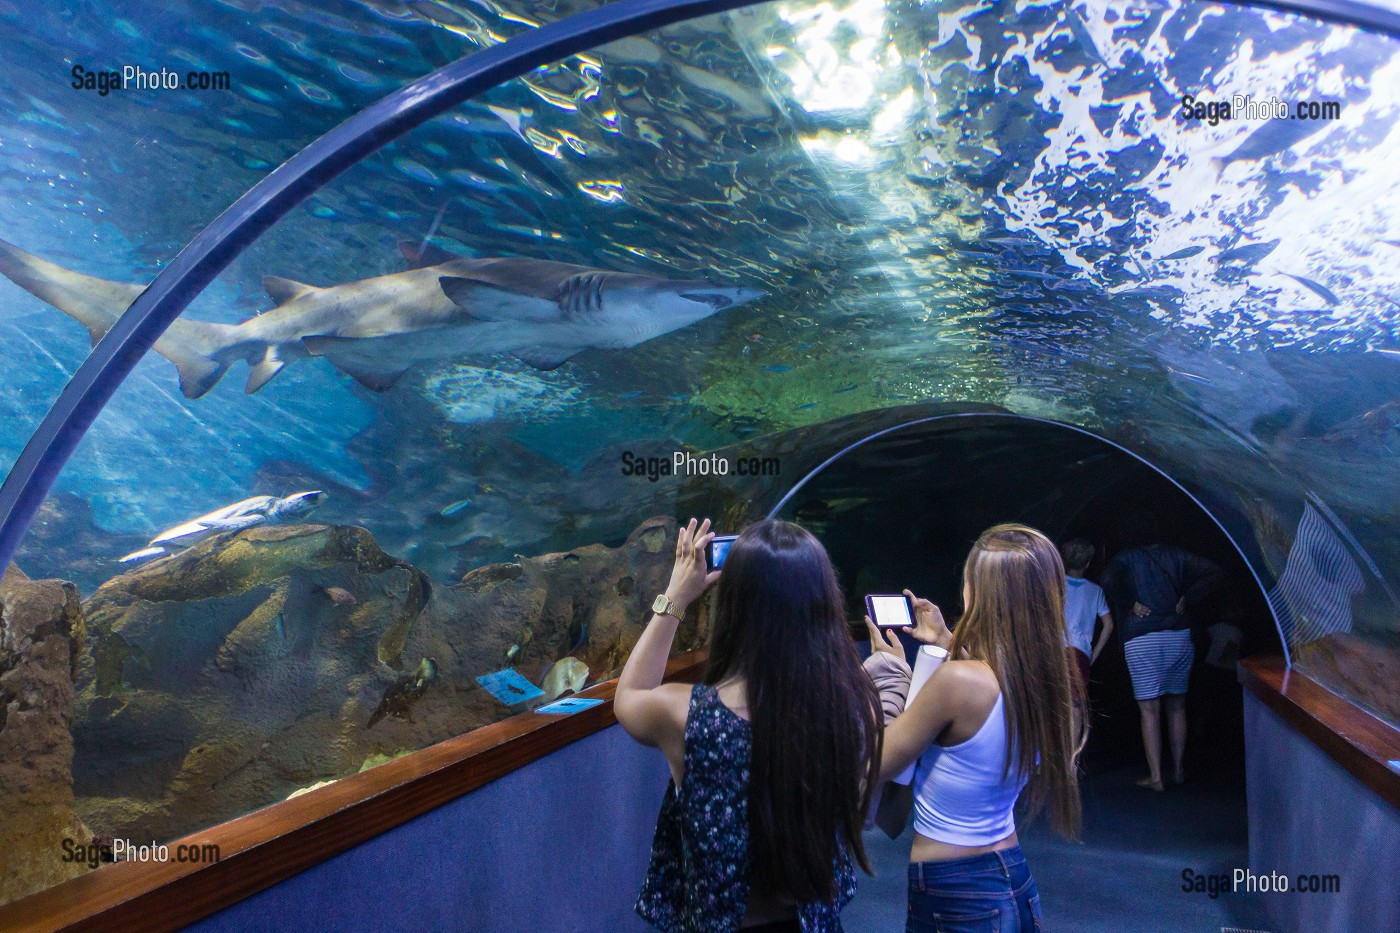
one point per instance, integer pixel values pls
(362, 357)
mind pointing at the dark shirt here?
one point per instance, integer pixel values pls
(1158, 576)
(698, 879)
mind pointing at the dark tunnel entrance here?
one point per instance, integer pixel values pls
(903, 508)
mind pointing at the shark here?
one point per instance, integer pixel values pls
(374, 330)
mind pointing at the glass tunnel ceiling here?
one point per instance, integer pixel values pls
(997, 204)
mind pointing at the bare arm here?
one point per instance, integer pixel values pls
(646, 708)
(946, 694)
(1106, 621)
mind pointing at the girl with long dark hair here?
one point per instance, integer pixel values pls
(995, 718)
(773, 757)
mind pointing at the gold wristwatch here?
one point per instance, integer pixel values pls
(664, 606)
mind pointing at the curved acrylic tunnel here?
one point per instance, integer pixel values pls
(947, 208)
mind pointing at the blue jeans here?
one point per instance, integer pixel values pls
(992, 893)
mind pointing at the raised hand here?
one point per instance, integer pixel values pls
(929, 626)
(881, 641)
(688, 577)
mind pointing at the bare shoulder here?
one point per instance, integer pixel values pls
(676, 700)
(969, 681)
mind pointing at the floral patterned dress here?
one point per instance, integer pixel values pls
(698, 879)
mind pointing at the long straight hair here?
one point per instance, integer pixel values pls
(1014, 620)
(779, 623)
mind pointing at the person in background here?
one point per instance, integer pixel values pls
(993, 719)
(777, 751)
(1163, 582)
(1084, 605)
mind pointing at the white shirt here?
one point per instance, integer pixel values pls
(1084, 602)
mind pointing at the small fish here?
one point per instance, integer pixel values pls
(1250, 252)
(1320, 290)
(630, 395)
(1191, 376)
(1080, 29)
(1186, 253)
(807, 406)
(850, 388)
(402, 694)
(777, 369)
(339, 595)
(451, 510)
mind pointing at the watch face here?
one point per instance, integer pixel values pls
(661, 604)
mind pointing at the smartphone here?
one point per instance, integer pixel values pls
(890, 611)
(718, 549)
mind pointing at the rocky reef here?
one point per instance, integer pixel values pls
(232, 674)
(41, 637)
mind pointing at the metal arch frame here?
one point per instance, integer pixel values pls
(204, 257)
(1011, 416)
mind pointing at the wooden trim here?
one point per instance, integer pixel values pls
(1360, 742)
(281, 840)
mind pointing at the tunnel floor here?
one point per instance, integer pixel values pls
(1125, 875)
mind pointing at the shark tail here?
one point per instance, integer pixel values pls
(197, 349)
(92, 302)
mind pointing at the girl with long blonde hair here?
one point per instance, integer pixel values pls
(994, 719)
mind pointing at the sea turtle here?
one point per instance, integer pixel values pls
(259, 510)
(400, 696)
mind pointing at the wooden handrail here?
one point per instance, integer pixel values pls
(1360, 742)
(272, 844)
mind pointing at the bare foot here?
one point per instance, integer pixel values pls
(1156, 785)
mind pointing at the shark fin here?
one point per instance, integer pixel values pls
(198, 374)
(264, 370)
(284, 290)
(422, 255)
(488, 301)
(372, 380)
(545, 358)
(376, 380)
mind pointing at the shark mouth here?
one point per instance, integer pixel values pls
(718, 302)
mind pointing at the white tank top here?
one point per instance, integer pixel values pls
(960, 796)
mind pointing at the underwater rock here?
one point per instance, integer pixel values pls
(41, 636)
(222, 678)
(545, 608)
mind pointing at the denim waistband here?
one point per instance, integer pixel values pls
(1005, 862)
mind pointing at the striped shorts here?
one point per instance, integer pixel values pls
(1159, 662)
